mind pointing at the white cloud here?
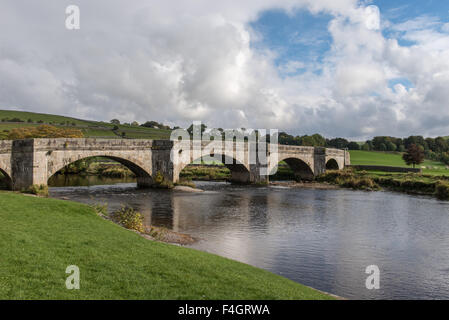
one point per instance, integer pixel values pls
(178, 61)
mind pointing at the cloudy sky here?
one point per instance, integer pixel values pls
(337, 67)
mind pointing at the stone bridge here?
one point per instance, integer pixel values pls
(33, 161)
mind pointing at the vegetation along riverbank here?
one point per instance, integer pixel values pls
(40, 238)
(424, 184)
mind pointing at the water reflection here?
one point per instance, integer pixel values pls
(321, 238)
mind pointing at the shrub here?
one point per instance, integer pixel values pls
(347, 179)
(161, 182)
(129, 218)
(100, 209)
(442, 190)
(117, 172)
(43, 131)
(40, 190)
(185, 183)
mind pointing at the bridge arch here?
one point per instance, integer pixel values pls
(301, 169)
(7, 181)
(141, 171)
(332, 164)
(239, 171)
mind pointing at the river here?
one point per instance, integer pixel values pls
(321, 238)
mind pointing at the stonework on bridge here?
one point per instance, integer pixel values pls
(33, 161)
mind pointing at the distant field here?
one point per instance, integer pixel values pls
(92, 129)
(394, 160)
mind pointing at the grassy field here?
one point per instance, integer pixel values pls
(40, 237)
(394, 160)
(92, 129)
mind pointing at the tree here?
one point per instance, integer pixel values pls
(391, 146)
(353, 146)
(366, 147)
(190, 129)
(150, 124)
(338, 143)
(115, 121)
(414, 155)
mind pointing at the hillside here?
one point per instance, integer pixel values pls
(91, 129)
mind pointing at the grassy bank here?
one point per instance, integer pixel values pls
(424, 184)
(394, 159)
(205, 173)
(39, 238)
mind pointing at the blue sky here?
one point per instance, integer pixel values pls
(299, 36)
(304, 36)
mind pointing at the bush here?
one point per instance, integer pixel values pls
(161, 182)
(117, 172)
(129, 218)
(39, 190)
(43, 131)
(100, 209)
(442, 190)
(347, 179)
(185, 183)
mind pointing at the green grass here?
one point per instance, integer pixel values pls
(92, 129)
(40, 237)
(394, 160)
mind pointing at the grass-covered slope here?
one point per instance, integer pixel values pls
(92, 129)
(394, 160)
(39, 238)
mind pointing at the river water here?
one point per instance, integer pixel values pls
(321, 238)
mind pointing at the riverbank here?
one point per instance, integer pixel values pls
(411, 183)
(305, 185)
(40, 237)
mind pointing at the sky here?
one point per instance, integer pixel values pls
(341, 68)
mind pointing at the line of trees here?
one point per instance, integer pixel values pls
(147, 124)
(317, 140)
(433, 148)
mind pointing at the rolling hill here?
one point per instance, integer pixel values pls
(92, 129)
